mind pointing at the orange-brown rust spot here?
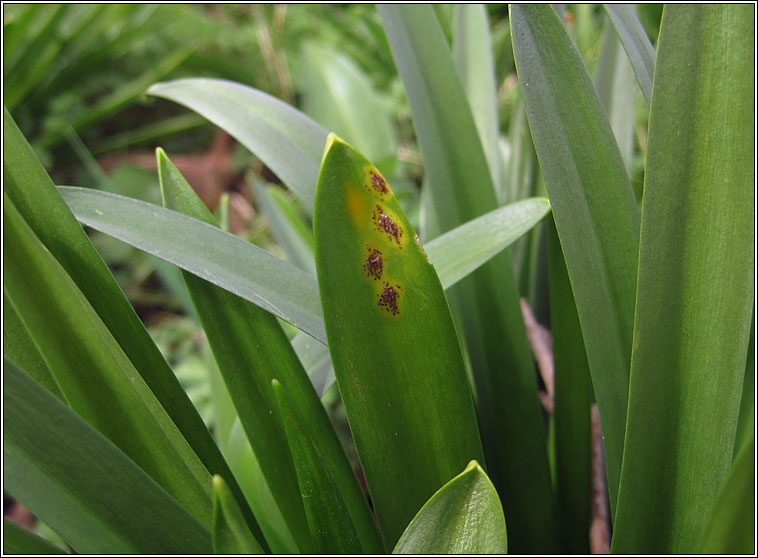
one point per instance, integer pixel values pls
(386, 224)
(388, 298)
(379, 184)
(374, 263)
(356, 205)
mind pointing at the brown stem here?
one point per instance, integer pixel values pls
(600, 537)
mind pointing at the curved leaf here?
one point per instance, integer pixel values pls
(81, 485)
(392, 341)
(463, 517)
(593, 206)
(285, 139)
(696, 279)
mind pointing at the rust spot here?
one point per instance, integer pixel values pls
(383, 222)
(388, 299)
(378, 183)
(374, 264)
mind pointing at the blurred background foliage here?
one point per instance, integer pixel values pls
(75, 77)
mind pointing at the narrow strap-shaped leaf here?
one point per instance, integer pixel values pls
(459, 252)
(636, 44)
(206, 251)
(392, 340)
(80, 484)
(593, 206)
(331, 527)
(95, 377)
(463, 517)
(285, 139)
(572, 439)
(461, 189)
(472, 52)
(17, 540)
(731, 526)
(696, 273)
(35, 197)
(251, 350)
(230, 532)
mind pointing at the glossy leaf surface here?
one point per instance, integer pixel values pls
(463, 517)
(392, 341)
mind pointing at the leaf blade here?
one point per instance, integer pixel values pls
(696, 272)
(463, 517)
(593, 206)
(284, 138)
(372, 320)
(82, 485)
(636, 44)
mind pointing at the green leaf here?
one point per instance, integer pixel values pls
(731, 526)
(464, 249)
(340, 97)
(614, 81)
(286, 140)
(472, 52)
(331, 527)
(463, 517)
(695, 287)
(231, 534)
(288, 227)
(254, 274)
(251, 350)
(94, 375)
(746, 420)
(19, 348)
(206, 251)
(593, 206)
(29, 187)
(81, 485)
(461, 189)
(636, 44)
(17, 540)
(316, 360)
(392, 341)
(572, 408)
(242, 461)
